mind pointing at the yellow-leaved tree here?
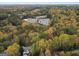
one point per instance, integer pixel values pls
(2, 36)
(13, 50)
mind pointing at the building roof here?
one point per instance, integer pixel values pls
(44, 16)
(3, 54)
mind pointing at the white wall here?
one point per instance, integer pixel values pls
(31, 20)
(44, 21)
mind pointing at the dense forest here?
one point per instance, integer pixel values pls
(60, 37)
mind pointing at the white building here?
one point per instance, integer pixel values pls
(44, 21)
(3, 54)
(39, 19)
(26, 51)
(31, 20)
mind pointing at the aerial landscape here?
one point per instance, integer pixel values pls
(39, 30)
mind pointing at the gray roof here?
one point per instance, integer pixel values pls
(44, 16)
(26, 50)
(3, 54)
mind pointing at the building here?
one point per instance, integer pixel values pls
(3, 54)
(31, 20)
(44, 21)
(39, 19)
(26, 51)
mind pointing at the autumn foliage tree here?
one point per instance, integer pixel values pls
(13, 50)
